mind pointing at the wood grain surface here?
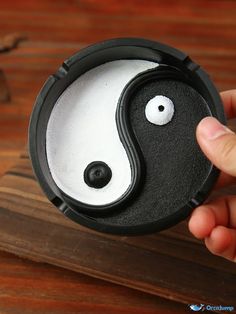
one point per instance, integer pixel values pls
(4, 90)
(170, 264)
(55, 30)
(28, 287)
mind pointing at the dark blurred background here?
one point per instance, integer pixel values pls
(35, 37)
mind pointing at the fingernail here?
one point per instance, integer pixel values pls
(212, 129)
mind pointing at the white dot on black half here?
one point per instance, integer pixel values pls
(159, 110)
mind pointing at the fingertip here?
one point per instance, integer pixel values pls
(202, 132)
(219, 240)
(209, 128)
(199, 128)
(201, 222)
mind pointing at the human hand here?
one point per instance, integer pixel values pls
(215, 222)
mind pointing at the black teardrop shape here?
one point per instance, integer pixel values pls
(175, 167)
(97, 174)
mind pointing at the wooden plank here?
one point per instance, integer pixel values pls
(171, 264)
(4, 91)
(29, 287)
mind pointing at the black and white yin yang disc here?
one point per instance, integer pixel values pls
(112, 136)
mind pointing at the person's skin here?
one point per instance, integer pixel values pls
(215, 221)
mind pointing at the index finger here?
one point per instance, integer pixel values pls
(229, 100)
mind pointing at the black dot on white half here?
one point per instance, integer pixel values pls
(97, 174)
(159, 110)
(87, 132)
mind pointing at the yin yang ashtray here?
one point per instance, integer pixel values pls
(112, 136)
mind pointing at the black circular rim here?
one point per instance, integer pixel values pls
(121, 48)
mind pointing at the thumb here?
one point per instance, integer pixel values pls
(218, 143)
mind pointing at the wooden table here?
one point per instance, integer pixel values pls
(55, 30)
(29, 287)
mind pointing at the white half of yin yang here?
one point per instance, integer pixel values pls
(82, 129)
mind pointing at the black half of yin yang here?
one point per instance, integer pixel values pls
(125, 153)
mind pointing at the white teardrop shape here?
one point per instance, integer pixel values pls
(82, 129)
(159, 110)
